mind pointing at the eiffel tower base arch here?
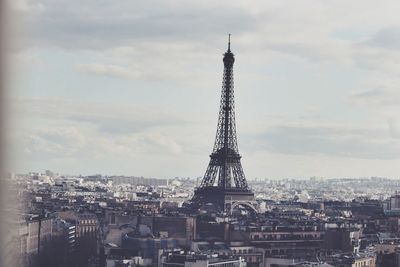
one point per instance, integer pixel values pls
(224, 199)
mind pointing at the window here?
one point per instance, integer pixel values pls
(112, 218)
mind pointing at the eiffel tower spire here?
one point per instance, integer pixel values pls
(225, 169)
(229, 43)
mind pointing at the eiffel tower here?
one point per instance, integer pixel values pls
(224, 184)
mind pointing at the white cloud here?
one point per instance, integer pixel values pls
(108, 70)
(26, 6)
(334, 140)
(118, 119)
(59, 142)
(382, 97)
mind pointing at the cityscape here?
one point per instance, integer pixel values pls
(135, 221)
(200, 133)
(221, 219)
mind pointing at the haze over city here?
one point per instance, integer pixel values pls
(134, 88)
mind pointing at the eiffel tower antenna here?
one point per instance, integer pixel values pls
(229, 43)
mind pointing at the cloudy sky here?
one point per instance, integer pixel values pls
(133, 87)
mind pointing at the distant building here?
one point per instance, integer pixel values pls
(190, 259)
(343, 239)
(147, 247)
(86, 234)
(253, 256)
(35, 233)
(353, 260)
(286, 239)
(181, 228)
(64, 241)
(287, 261)
(394, 203)
(138, 180)
(86, 224)
(49, 173)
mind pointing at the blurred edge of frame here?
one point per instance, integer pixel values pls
(7, 227)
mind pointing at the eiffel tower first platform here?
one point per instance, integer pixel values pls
(224, 185)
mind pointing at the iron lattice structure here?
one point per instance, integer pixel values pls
(225, 169)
